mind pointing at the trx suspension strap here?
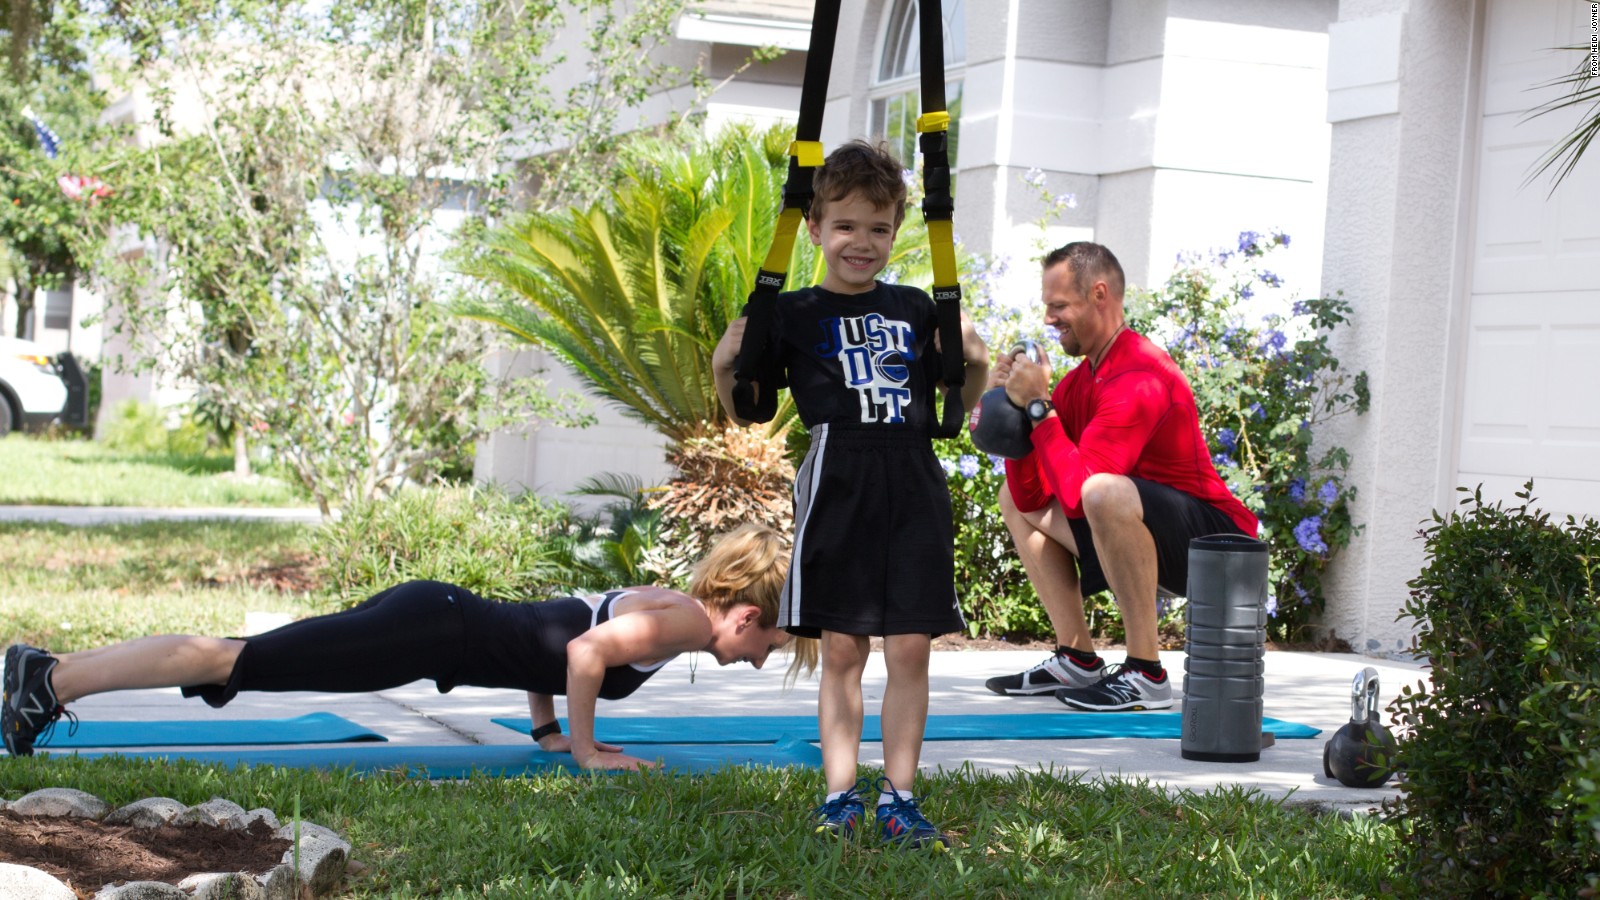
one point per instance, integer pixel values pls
(938, 206)
(756, 363)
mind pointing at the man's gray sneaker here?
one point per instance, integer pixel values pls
(30, 705)
(1123, 689)
(1057, 672)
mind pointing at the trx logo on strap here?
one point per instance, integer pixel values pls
(767, 279)
(947, 293)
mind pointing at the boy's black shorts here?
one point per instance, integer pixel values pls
(874, 544)
(1174, 518)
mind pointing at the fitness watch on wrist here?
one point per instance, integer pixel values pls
(1037, 409)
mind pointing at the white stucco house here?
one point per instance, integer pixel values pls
(1388, 137)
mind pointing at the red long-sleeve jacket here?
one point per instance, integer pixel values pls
(1134, 415)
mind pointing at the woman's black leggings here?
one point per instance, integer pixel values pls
(403, 634)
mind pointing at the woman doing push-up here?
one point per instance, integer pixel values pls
(585, 648)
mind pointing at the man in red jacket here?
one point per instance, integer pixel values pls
(1119, 481)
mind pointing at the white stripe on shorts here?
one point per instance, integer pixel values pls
(805, 494)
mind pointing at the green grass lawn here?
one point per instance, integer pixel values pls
(83, 473)
(71, 588)
(741, 833)
(736, 833)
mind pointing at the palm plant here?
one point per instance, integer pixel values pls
(1580, 89)
(633, 293)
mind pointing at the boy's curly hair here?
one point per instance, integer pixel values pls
(859, 167)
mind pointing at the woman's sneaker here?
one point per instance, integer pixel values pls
(30, 705)
(901, 822)
(1055, 673)
(840, 816)
(1123, 689)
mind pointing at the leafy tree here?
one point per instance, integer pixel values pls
(41, 196)
(315, 164)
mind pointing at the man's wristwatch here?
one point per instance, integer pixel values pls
(1037, 409)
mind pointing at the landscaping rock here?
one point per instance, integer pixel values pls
(28, 883)
(323, 855)
(147, 813)
(308, 830)
(322, 860)
(142, 890)
(263, 814)
(61, 802)
(214, 812)
(281, 884)
(223, 886)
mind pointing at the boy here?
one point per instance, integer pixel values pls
(873, 548)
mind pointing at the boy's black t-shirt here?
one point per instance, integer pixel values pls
(859, 358)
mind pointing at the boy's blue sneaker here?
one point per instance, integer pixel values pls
(901, 822)
(838, 817)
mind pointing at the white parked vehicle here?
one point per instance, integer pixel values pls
(34, 390)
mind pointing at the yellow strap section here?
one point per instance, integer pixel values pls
(807, 153)
(941, 241)
(933, 121)
(783, 242)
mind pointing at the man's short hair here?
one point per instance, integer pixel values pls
(859, 167)
(1090, 262)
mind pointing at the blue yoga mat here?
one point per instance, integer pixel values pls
(505, 760)
(313, 728)
(1038, 727)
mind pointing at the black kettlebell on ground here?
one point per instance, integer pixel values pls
(999, 426)
(1361, 754)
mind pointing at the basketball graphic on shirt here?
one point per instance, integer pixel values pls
(873, 354)
(891, 367)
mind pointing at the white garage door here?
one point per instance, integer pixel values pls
(1531, 397)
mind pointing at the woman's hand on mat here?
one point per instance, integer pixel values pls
(612, 760)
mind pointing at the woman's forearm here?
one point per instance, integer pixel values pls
(585, 671)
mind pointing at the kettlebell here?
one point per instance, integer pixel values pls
(999, 426)
(1361, 754)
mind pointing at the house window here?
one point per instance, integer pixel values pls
(58, 308)
(896, 93)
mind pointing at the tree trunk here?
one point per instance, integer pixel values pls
(25, 294)
(241, 452)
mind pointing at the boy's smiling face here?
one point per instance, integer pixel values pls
(855, 237)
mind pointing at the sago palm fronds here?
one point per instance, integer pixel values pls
(634, 292)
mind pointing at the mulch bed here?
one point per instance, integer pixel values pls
(88, 855)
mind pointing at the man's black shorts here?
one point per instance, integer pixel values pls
(1174, 518)
(874, 547)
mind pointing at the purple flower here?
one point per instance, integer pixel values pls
(1269, 278)
(1068, 201)
(948, 467)
(1309, 535)
(1328, 493)
(1257, 411)
(1272, 605)
(1274, 340)
(1222, 460)
(1246, 292)
(1247, 242)
(1299, 308)
(1034, 177)
(1228, 439)
(999, 463)
(968, 465)
(1283, 239)
(1297, 490)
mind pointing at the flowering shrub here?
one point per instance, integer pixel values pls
(1264, 382)
(1262, 385)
